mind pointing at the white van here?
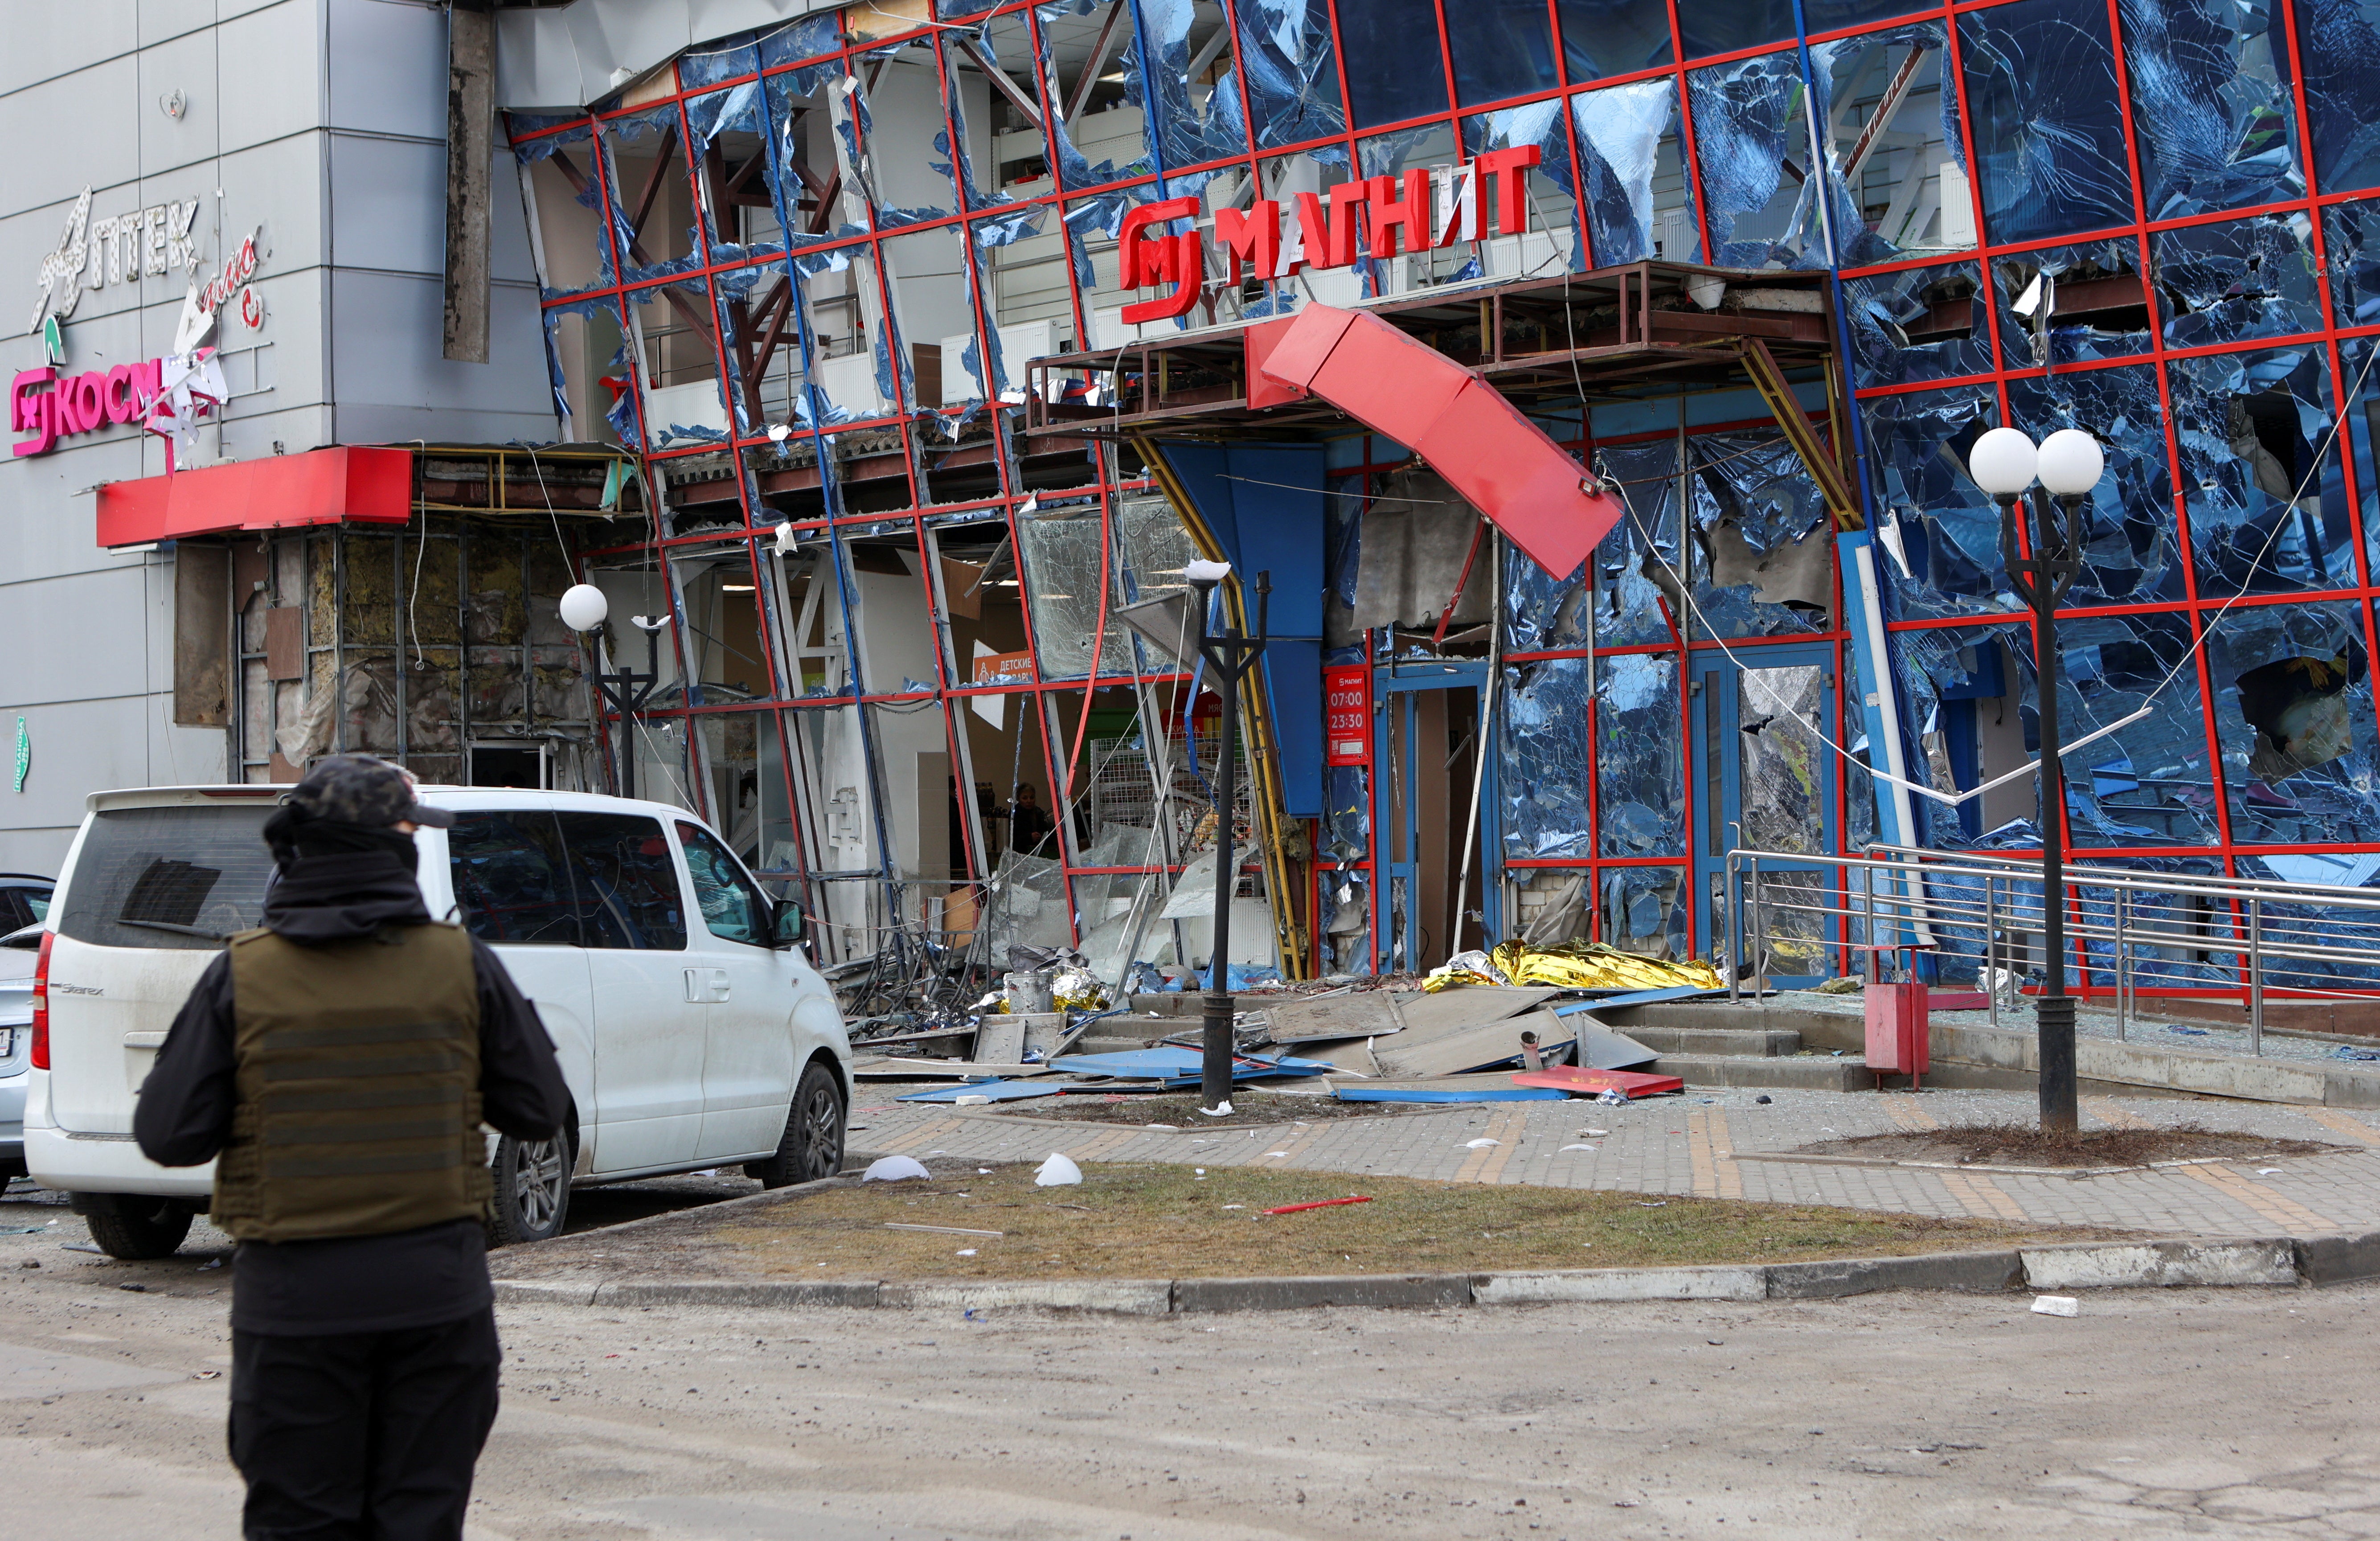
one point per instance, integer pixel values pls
(692, 1032)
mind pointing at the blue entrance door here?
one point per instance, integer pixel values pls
(1765, 780)
(1425, 755)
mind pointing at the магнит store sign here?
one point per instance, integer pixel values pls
(1425, 208)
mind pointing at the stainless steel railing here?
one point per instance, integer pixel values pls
(2125, 927)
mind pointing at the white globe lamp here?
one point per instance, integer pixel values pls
(583, 607)
(2002, 463)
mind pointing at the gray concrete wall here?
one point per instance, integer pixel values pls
(324, 123)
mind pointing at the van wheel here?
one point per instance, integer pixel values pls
(532, 1180)
(812, 1147)
(136, 1229)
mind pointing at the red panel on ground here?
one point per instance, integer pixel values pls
(321, 487)
(1628, 1082)
(1528, 486)
(1260, 339)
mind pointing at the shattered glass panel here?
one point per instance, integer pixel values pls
(1543, 759)
(2351, 241)
(1100, 131)
(1554, 243)
(2070, 303)
(2043, 107)
(1752, 141)
(1765, 553)
(814, 148)
(1786, 774)
(1293, 71)
(1859, 787)
(1638, 205)
(804, 39)
(2211, 110)
(2338, 45)
(1347, 814)
(905, 161)
(653, 209)
(1644, 911)
(1395, 68)
(1091, 227)
(1918, 323)
(2360, 360)
(1639, 755)
(1944, 675)
(2148, 783)
(1633, 566)
(1613, 37)
(1501, 48)
(1725, 28)
(1065, 570)
(1191, 71)
(1938, 534)
(2129, 557)
(2293, 709)
(2227, 283)
(2248, 425)
(1894, 155)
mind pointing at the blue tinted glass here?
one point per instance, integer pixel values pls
(2047, 125)
(1501, 48)
(1293, 71)
(1613, 37)
(1824, 15)
(1723, 26)
(2340, 45)
(2211, 108)
(1395, 69)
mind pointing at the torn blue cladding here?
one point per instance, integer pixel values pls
(1293, 71)
(1918, 324)
(1195, 121)
(1751, 141)
(2090, 305)
(1074, 170)
(2248, 424)
(1395, 69)
(1639, 756)
(1621, 131)
(2228, 282)
(1540, 124)
(1503, 48)
(804, 39)
(1884, 208)
(2338, 44)
(1543, 758)
(2043, 105)
(1634, 566)
(1613, 37)
(727, 59)
(2129, 554)
(2210, 109)
(1937, 533)
(2293, 712)
(1765, 554)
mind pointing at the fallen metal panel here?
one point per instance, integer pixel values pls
(1503, 463)
(1598, 1047)
(1485, 1047)
(1589, 1082)
(1371, 1014)
(1449, 1011)
(1634, 997)
(1374, 1092)
(996, 1091)
(938, 1070)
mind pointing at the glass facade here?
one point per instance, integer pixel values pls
(801, 275)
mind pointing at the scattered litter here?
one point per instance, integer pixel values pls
(136, 1287)
(1481, 1145)
(215, 1263)
(208, 1375)
(2349, 1051)
(1200, 1171)
(2057, 1306)
(967, 1252)
(971, 1101)
(1656, 1204)
(77, 1246)
(944, 1230)
(1595, 1133)
(1221, 1109)
(22, 1229)
(1577, 1147)
(983, 1172)
(1318, 1204)
(894, 1169)
(2187, 1032)
(1170, 1128)
(1762, 1098)
(1235, 1205)
(1274, 1153)
(973, 1315)
(2268, 1171)
(1057, 1172)
(1612, 1098)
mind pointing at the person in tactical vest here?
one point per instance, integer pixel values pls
(337, 1064)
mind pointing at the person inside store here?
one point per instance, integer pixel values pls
(1028, 822)
(337, 1063)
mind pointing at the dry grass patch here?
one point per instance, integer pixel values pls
(2024, 1145)
(1160, 1221)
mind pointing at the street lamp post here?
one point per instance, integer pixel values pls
(1231, 655)
(2067, 465)
(584, 609)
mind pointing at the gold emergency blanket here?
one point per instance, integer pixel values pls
(1572, 965)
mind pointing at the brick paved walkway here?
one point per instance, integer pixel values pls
(1690, 1145)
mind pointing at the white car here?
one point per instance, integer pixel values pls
(691, 1030)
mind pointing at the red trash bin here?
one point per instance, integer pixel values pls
(1897, 1029)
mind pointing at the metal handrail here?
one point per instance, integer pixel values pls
(1923, 893)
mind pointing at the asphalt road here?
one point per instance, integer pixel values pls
(2214, 1413)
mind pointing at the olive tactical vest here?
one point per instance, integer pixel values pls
(359, 1079)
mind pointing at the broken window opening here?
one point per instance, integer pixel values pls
(1554, 242)
(1764, 545)
(2248, 424)
(2293, 712)
(904, 163)
(850, 348)
(1638, 204)
(2074, 302)
(2229, 282)
(1939, 534)
(1751, 144)
(813, 129)
(565, 201)
(2129, 554)
(730, 140)
(677, 341)
(2212, 117)
(2043, 108)
(1920, 323)
(652, 198)
(1099, 125)
(1896, 162)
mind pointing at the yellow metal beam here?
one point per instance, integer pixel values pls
(1769, 381)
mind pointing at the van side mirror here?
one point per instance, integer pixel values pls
(787, 925)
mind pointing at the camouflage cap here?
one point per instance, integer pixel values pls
(358, 789)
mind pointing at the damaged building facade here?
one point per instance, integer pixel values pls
(914, 349)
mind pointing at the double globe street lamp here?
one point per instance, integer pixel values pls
(2068, 463)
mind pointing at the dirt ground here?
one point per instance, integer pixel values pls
(1168, 1221)
(2020, 1145)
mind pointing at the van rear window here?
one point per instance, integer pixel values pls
(169, 878)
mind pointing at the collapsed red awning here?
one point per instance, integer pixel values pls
(321, 487)
(1528, 486)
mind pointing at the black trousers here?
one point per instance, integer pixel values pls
(362, 1435)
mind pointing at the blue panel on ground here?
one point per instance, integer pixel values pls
(998, 1091)
(1170, 1063)
(1468, 1094)
(1636, 998)
(1264, 503)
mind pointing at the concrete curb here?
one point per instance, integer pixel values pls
(2215, 1262)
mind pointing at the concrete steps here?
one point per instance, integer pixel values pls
(1758, 1042)
(1800, 1072)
